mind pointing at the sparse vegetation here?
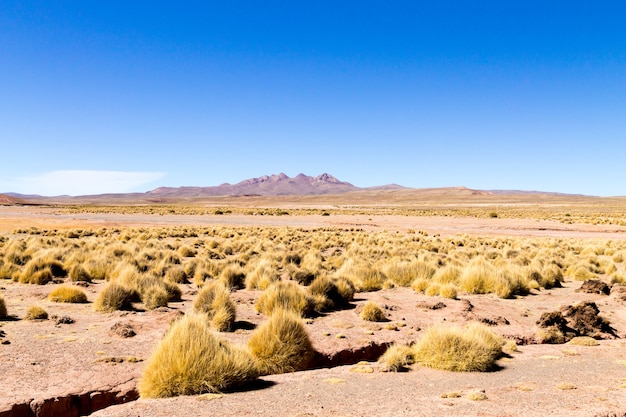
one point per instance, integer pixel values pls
(213, 301)
(36, 313)
(114, 297)
(281, 344)
(191, 359)
(397, 358)
(473, 348)
(67, 294)
(371, 312)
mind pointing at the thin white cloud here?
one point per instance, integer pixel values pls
(79, 182)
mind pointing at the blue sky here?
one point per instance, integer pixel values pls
(116, 96)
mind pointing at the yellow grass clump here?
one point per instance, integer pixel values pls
(286, 295)
(67, 294)
(397, 358)
(79, 273)
(371, 312)
(281, 344)
(191, 360)
(213, 301)
(329, 294)
(473, 348)
(36, 313)
(114, 297)
(478, 277)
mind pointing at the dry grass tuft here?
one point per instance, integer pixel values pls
(286, 295)
(192, 360)
(79, 273)
(583, 341)
(397, 358)
(281, 344)
(36, 313)
(328, 295)
(371, 312)
(67, 294)
(214, 302)
(473, 348)
(114, 297)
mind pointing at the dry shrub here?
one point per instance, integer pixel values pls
(281, 344)
(114, 297)
(581, 273)
(552, 277)
(186, 252)
(371, 312)
(473, 348)
(67, 294)
(403, 273)
(9, 271)
(213, 301)
(79, 273)
(448, 291)
(448, 274)
(478, 277)
(286, 295)
(510, 281)
(397, 358)
(233, 276)
(432, 290)
(3, 308)
(262, 276)
(191, 360)
(329, 294)
(583, 341)
(154, 296)
(98, 269)
(36, 313)
(176, 275)
(41, 271)
(420, 285)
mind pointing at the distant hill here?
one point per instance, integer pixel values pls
(279, 184)
(9, 200)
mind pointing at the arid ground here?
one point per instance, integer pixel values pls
(87, 362)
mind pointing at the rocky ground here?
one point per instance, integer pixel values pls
(79, 360)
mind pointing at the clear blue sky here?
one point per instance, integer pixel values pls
(99, 96)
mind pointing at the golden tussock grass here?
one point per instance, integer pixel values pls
(583, 341)
(478, 277)
(36, 313)
(329, 294)
(281, 344)
(472, 348)
(191, 360)
(67, 294)
(397, 358)
(213, 301)
(371, 312)
(286, 295)
(262, 275)
(79, 273)
(233, 276)
(114, 296)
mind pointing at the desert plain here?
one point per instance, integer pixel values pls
(545, 254)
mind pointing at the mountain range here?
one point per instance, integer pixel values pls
(266, 185)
